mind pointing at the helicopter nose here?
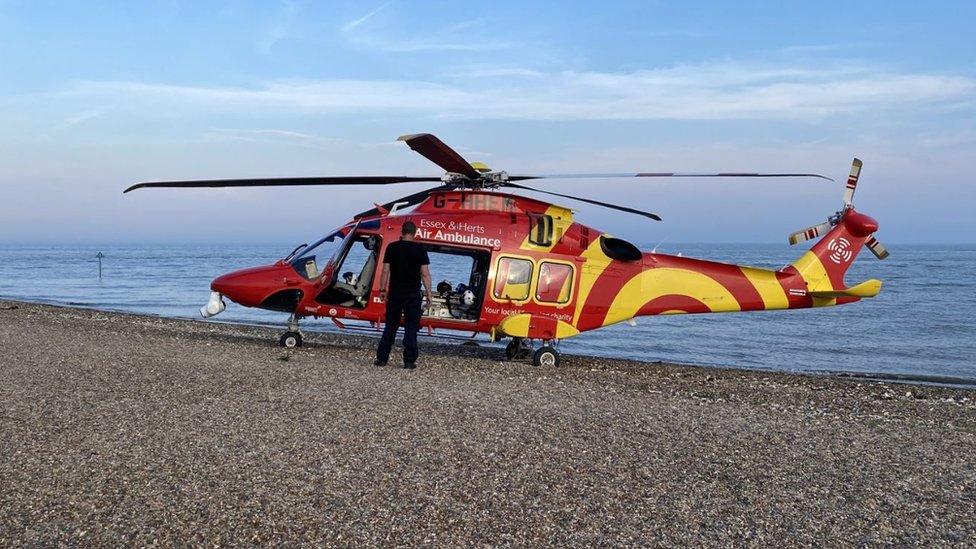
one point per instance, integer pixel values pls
(248, 287)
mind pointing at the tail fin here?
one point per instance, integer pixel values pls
(824, 265)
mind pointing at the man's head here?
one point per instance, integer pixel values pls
(409, 230)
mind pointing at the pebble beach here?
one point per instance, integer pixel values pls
(138, 430)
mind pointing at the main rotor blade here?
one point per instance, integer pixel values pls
(653, 216)
(281, 182)
(662, 174)
(411, 200)
(439, 153)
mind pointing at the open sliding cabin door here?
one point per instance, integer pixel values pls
(459, 275)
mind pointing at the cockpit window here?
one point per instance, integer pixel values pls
(312, 261)
(352, 278)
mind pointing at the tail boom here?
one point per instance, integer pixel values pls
(665, 284)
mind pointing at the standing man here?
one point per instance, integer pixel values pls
(405, 266)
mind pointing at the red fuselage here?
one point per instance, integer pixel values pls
(537, 273)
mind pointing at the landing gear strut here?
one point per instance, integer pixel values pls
(547, 355)
(292, 338)
(517, 349)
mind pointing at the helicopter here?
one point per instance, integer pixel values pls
(526, 270)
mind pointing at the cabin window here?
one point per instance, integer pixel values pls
(555, 283)
(540, 229)
(513, 278)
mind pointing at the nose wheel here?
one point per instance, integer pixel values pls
(292, 338)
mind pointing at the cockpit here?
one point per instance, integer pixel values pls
(344, 261)
(353, 275)
(311, 261)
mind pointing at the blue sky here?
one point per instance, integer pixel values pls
(97, 95)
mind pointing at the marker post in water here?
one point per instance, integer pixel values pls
(100, 255)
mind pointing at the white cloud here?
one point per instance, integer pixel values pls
(413, 45)
(352, 25)
(67, 123)
(690, 92)
(324, 96)
(367, 33)
(279, 29)
(272, 136)
(80, 118)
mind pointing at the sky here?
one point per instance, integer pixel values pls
(95, 96)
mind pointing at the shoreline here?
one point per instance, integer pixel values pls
(125, 429)
(931, 380)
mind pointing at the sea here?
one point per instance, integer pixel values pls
(921, 328)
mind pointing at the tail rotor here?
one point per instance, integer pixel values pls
(852, 183)
(876, 248)
(810, 233)
(821, 229)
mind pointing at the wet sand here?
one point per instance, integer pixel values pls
(139, 430)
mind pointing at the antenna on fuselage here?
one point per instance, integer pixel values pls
(654, 249)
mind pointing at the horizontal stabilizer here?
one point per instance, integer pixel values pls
(868, 288)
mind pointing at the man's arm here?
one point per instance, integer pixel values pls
(384, 281)
(425, 277)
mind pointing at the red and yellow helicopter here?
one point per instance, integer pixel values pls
(530, 271)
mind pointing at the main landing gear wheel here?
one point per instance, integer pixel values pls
(516, 349)
(546, 356)
(290, 340)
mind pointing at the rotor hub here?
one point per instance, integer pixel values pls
(486, 180)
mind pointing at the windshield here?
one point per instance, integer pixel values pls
(313, 259)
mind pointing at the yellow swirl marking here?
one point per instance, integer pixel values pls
(590, 271)
(656, 282)
(562, 219)
(813, 272)
(520, 326)
(515, 325)
(769, 288)
(815, 275)
(564, 330)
